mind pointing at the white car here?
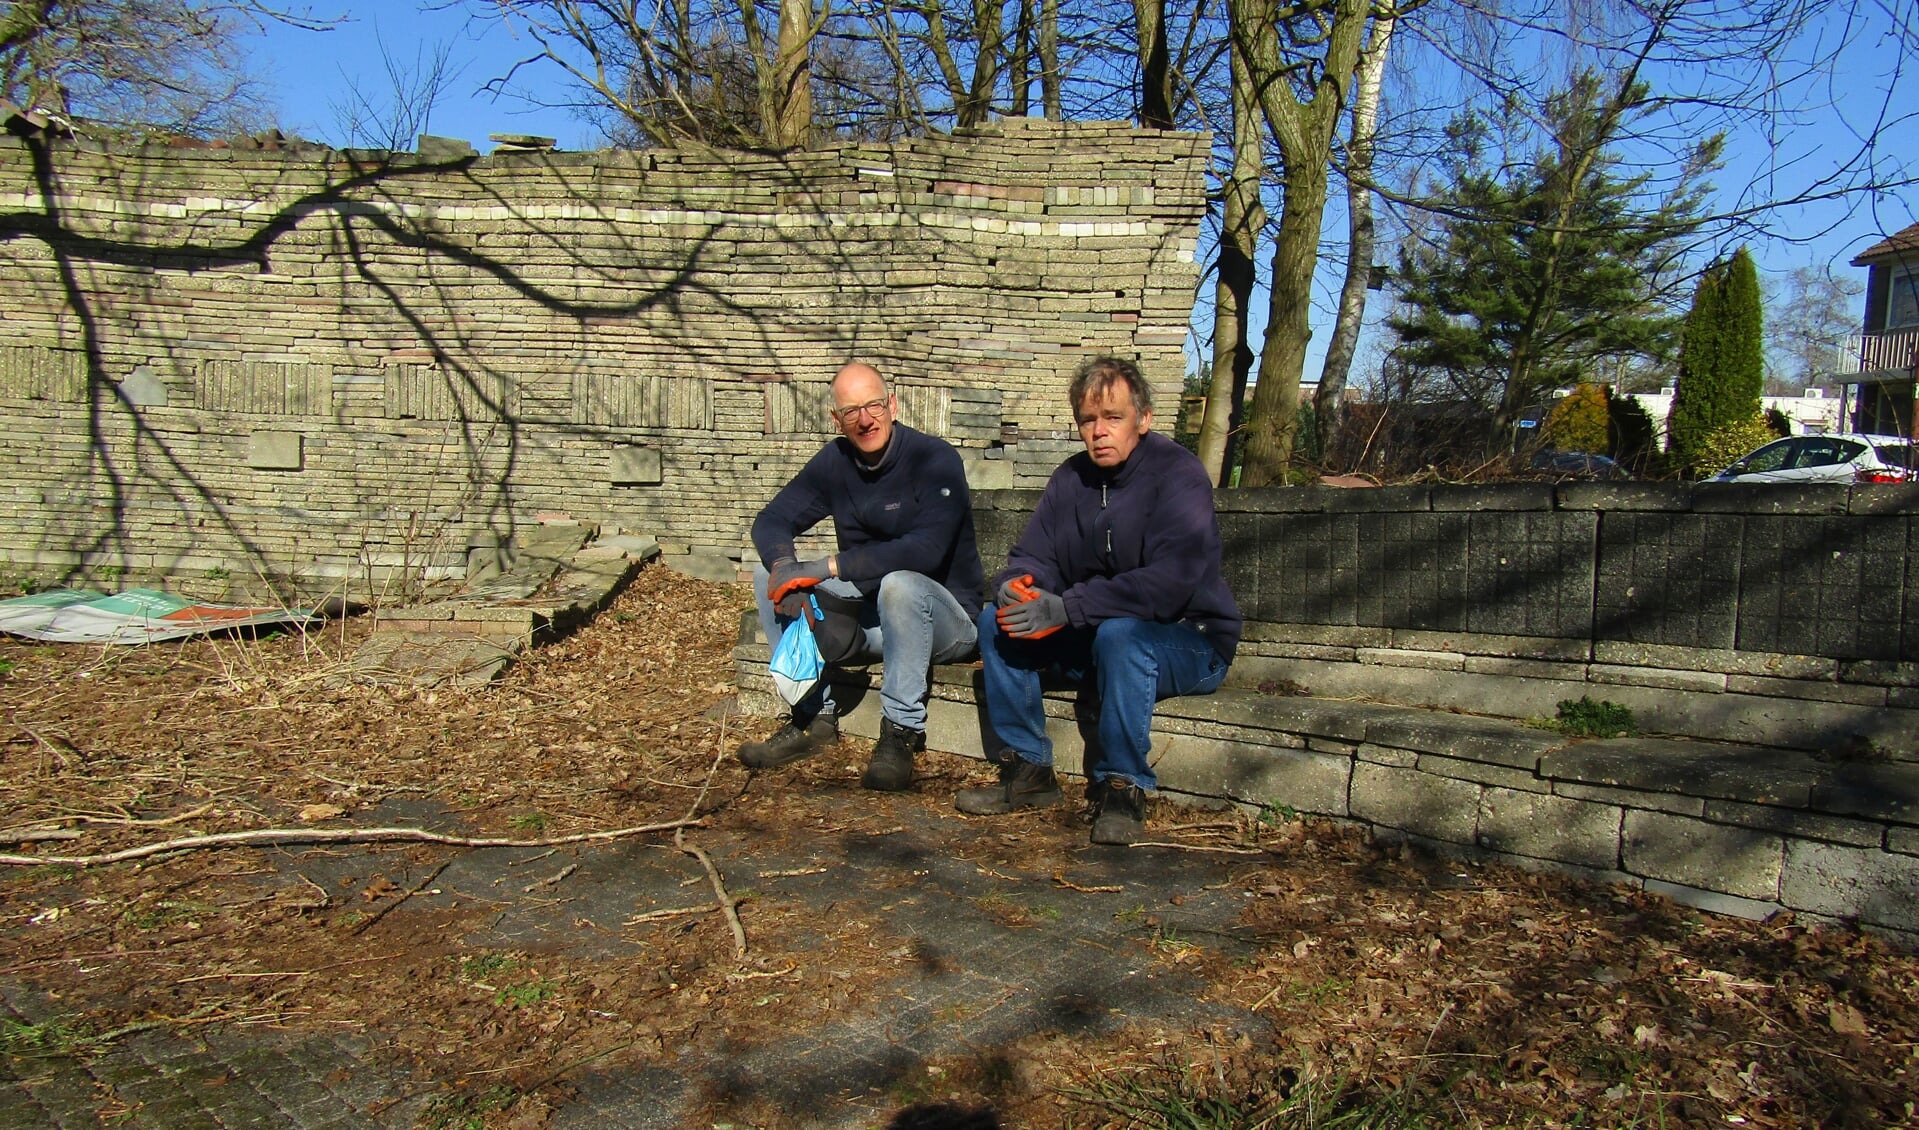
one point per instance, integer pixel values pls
(1834, 457)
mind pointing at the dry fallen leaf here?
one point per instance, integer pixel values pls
(1846, 1020)
(381, 887)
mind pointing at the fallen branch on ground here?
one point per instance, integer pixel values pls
(366, 925)
(39, 835)
(332, 836)
(720, 894)
(131, 822)
(675, 912)
(550, 879)
(1196, 847)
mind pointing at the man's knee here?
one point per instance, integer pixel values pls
(903, 585)
(908, 596)
(1118, 638)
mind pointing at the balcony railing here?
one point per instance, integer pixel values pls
(1893, 349)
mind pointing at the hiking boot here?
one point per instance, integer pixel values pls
(1021, 785)
(791, 743)
(1122, 813)
(1095, 796)
(891, 769)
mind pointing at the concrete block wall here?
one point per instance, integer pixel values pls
(1733, 829)
(344, 369)
(1771, 615)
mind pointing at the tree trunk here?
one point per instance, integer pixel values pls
(1243, 215)
(1304, 132)
(1328, 400)
(1049, 77)
(1155, 81)
(792, 77)
(1020, 68)
(1274, 417)
(988, 39)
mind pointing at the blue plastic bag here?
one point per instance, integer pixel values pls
(796, 663)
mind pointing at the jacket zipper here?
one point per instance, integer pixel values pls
(1109, 528)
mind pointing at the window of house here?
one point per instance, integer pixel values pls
(1902, 308)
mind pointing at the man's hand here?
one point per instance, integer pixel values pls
(789, 576)
(1037, 614)
(1019, 590)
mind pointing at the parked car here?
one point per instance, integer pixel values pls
(1578, 465)
(1835, 457)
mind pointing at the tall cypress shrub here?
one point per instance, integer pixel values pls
(1744, 343)
(1721, 357)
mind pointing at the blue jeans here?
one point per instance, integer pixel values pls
(1124, 666)
(913, 624)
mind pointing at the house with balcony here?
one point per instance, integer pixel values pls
(1884, 359)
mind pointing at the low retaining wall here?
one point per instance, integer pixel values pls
(1776, 616)
(1742, 830)
(1403, 636)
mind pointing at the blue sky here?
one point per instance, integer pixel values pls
(311, 73)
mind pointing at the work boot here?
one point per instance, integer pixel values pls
(1122, 813)
(1095, 795)
(1021, 785)
(791, 742)
(891, 769)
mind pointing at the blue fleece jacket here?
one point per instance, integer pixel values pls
(910, 511)
(1138, 541)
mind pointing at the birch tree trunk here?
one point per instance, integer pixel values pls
(1328, 400)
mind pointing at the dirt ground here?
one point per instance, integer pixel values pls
(1515, 999)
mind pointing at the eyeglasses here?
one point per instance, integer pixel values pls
(873, 408)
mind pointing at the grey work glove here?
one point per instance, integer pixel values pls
(1039, 614)
(789, 576)
(1015, 591)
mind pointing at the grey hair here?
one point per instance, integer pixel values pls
(1101, 373)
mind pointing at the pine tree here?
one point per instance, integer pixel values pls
(1721, 358)
(1549, 256)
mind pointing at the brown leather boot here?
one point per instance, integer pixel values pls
(791, 742)
(1122, 813)
(1022, 785)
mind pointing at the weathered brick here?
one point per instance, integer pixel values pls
(1872, 886)
(1437, 807)
(1549, 827)
(1698, 853)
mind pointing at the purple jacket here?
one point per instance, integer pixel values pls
(1139, 541)
(912, 511)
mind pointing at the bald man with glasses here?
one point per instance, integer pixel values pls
(904, 526)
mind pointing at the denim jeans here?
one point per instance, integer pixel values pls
(913, 624)
(1124, 666)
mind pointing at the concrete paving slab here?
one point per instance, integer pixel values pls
(984, 950)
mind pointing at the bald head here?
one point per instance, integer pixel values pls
(856, 383)
(863, 409)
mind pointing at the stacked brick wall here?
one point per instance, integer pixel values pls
(344, 369)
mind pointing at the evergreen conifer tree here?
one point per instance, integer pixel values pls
(1721, 357)
(1547, 262)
